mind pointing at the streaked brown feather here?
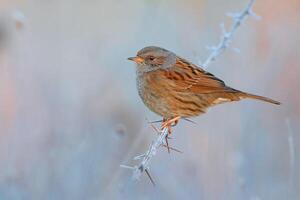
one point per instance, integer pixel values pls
(196, 79)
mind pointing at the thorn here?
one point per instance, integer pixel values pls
(173, 149)
(188, 120)
(153, 122)
(139, 157)
(155, 129)
(127, 167)
(148, 174)
(167, 144)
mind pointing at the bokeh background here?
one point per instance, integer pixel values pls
(70, 113)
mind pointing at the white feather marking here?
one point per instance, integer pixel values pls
(220, 100)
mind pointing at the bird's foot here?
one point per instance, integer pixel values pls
(168, 123)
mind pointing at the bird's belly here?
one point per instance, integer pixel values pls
(168, 103)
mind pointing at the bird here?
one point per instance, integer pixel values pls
(175, 88)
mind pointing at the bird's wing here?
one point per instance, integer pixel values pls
(188, 77)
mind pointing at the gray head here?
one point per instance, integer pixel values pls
(153, 58)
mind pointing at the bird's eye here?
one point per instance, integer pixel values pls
(151, 58)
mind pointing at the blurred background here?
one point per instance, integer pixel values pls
(70, 113)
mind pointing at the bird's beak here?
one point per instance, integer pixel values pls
(136, 59)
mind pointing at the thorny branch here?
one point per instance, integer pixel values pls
(226, 37)
(145, 158)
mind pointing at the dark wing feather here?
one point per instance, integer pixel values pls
(188, 76)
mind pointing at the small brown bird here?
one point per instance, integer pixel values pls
(173, 87)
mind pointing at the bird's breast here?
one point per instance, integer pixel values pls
(152, 94)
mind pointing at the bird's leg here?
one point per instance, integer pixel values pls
(166, 138)
(168, 123)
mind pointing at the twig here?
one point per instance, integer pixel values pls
(144, 164)
(227, 36)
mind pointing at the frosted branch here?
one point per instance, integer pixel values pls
(238, 19)
(145, 158)
(143, 166)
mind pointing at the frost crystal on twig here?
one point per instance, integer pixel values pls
(238, 19)
(145, 158)
(144, 164)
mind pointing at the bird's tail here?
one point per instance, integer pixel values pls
(253, 96)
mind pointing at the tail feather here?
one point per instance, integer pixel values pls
(253, 96)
